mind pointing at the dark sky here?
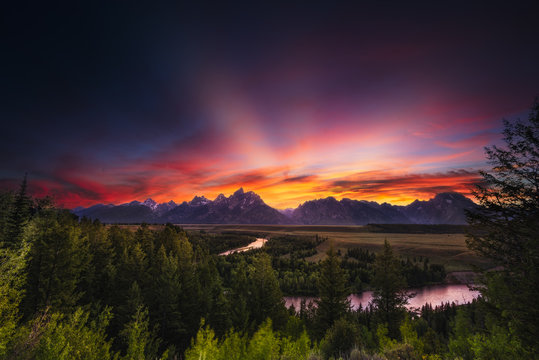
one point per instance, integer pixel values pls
(120, 101)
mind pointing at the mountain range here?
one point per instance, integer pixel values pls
(248, 208)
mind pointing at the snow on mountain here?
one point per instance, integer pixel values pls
(199, 201)
(248, 208)
(150, 203)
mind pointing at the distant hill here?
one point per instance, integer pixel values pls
(329, 211)
(248, 208)
(445, 208)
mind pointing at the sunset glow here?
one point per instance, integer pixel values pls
(294, 110)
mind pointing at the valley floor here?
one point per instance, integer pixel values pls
(442, 244)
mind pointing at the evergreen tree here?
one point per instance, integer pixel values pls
(18, 217)
(57, 256)
(239, 297)
(462, 330)
(212, 303)
(127, 309)
(98, 276)
(264, 344)
(140, 341)
(6, 203)
(234, 346)
(389, 295)
(340, 338)
(129, 266)
(333, 293)
(266, 297)
(298, 348)
(204, 346)
(146, 238)
(75, 337)
(188, 300)
(219, 315)
(504, 227)
(12, 278)
(164, 298)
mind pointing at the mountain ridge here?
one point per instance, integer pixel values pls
(248, 208)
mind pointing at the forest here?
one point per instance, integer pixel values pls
(80, 285)
(72, 288)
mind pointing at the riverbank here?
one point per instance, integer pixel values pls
(444, 245)
(461, 278)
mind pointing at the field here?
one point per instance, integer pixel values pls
(441, 244)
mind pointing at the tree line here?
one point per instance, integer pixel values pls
(298, 275)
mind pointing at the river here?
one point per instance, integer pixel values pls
(433, 294)
(258, 243)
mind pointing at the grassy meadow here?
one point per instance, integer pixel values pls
(442, 244)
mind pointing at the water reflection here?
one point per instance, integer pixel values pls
(434, 295)
(257, 244)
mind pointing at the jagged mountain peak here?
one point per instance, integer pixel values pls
(444, 208)
(199, 201)
(251, 194)
(220, 198)
(326, 200)
(244, 199)
(149, 202)
(447, 197)
(248, 208)
(239, 208)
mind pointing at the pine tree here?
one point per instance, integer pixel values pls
(264, 344)
(12, 264)
(6, 203)
(97, 277)
(76, 337)
(146, 238)
(204, 345)
(212, 299)
(57, 256)
(340, 338)
(219, 316)
(266, 296)
(164, 298)
(504, 227)
(18, 217)
(333, 293)
(140, 341)
(389, 295)
(239, 297)
(124, 311)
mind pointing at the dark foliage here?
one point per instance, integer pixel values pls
(504, 228)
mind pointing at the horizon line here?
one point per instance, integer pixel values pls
(468, 196)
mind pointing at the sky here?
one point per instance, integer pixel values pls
(120, 101)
